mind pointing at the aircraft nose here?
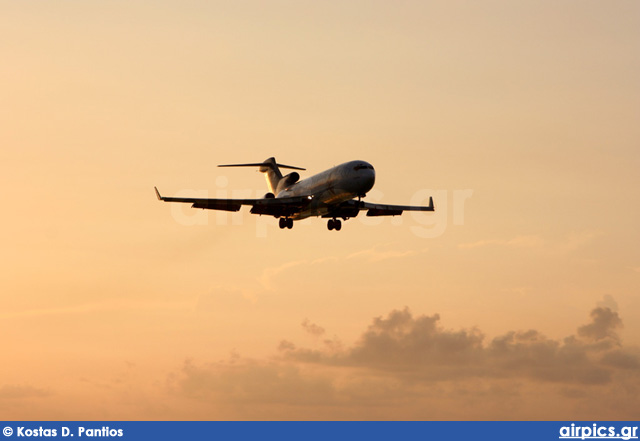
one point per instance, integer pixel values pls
(369, 178)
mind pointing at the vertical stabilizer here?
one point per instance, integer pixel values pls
(271, 173)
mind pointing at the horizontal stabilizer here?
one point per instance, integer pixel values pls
(262, 164)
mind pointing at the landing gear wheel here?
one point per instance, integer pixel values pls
(334, 224)
(289, 223)
(282, 222)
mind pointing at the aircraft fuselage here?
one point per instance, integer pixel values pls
(330, 187)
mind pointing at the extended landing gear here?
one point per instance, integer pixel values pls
(285, 222)
(334, 224)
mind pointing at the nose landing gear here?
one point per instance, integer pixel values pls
(334, 224)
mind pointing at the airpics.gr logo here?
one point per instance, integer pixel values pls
(596, 431)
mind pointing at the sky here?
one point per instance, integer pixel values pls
(516, 299)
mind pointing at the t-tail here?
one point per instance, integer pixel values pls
(272, 172)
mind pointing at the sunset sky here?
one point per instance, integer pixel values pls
(519, 298)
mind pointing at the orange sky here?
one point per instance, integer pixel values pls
(520, 118)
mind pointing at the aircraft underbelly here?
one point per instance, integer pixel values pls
(323, 202)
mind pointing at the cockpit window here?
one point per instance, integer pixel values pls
(361, 166)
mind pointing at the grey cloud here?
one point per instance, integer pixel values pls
(530, 354)
(259, 382)
(411, 367)
(400, 341)
(418, 348)
(621, 360)
(286, 345)
(604, 324)
(18, 392)
(312, 328)
(403, 342)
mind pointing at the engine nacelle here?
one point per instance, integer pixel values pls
(269, 196)
(288, 180)
(291, 178)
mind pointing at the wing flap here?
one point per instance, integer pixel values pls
(394, 210)
(218, 204)
(383, 212)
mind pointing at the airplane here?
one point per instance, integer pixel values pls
(335, 194)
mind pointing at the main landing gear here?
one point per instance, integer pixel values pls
(285, 222)
(334, 224)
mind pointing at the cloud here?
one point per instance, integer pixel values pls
(258, 382)
(269, 274)
(378, 254)
(419, 348)
(15, 392)
(406, 366)
(415, 346)
(518, 241)
(569, 243)
(622, 360)
(374, 254)
(107, 306)
(603, 326)
(312, 328)
(533, 356)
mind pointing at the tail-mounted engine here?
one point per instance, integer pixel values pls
(287, 181)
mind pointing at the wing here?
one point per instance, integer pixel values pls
(268, 206)
(394, 210)
(352, 208)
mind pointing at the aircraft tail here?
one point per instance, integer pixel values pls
(270, 168)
